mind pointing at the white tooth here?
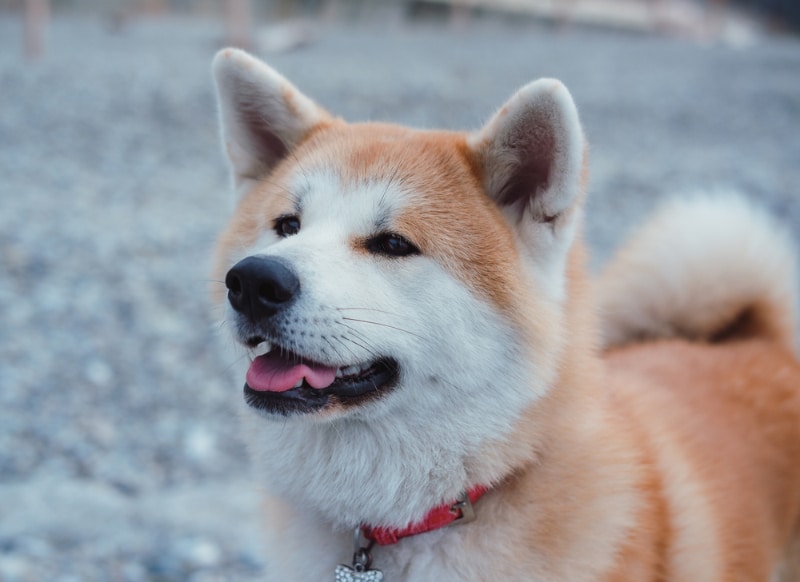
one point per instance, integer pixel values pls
(299, 383)
(350, 370)
(262, 348)
(339, 373)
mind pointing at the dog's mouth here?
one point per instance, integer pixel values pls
(286, 383)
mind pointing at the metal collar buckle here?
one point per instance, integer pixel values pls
(463, 509)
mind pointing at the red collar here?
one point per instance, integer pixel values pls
(460, 511)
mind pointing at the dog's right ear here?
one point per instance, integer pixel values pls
(262, 115)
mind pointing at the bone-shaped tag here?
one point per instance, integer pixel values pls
(348, 574)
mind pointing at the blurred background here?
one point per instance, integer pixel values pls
(120, 457)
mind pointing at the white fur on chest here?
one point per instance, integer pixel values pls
(436, 556)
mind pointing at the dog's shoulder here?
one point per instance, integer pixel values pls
(723, 424)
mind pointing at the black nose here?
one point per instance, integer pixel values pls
(260, 286)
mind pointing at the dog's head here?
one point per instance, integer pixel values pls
(370, 267)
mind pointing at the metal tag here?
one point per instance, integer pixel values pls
(362, 560)
(348, 574)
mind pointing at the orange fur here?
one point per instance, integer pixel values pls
(658, 460)
(733, 411)
(730, 411)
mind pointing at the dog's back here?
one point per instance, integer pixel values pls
(699, 313)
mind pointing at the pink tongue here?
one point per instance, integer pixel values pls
(271, 373)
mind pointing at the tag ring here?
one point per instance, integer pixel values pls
(362, 558)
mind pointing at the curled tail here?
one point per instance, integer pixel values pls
(709, 268)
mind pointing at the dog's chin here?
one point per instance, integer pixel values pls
(343, 395)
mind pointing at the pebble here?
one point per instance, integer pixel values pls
(200, 445)
(14, 568)
(113, 390)
(99, 372)
(201, 553)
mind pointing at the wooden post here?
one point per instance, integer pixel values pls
(239, 15)
(460, 15)
(717, 15)
(37, 15)
(562, 13)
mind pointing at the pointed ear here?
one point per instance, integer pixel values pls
(262, 115)
(531, 153)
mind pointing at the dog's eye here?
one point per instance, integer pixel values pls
(392, 245)
(287, 225)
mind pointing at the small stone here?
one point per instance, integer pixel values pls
(34, 547)
(200, 444)
(201, 553)
(13, 568)
(98, 372)
(133, 572)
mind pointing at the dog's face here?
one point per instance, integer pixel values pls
(376, 269)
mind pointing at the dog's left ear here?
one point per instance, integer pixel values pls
(263, 117)
(531, 156)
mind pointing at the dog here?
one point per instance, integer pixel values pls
(436, 389)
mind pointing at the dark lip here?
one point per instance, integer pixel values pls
(347, 393)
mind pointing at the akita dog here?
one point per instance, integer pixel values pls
(429, 392)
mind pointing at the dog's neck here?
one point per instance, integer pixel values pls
(353, 473)
(460, 510)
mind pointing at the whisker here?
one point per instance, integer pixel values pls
(366, 309)
(230, 366)
(382, 200)
(362, 346)
(363, 341)
(383, 325)
(345, 346)
(358, 335)
(333, 347)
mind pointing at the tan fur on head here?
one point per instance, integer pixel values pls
(705, 268)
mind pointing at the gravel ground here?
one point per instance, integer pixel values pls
(119, 452)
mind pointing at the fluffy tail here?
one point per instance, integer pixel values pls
(711, 268)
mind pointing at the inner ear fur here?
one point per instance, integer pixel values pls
(531, 152)
(262, 115)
